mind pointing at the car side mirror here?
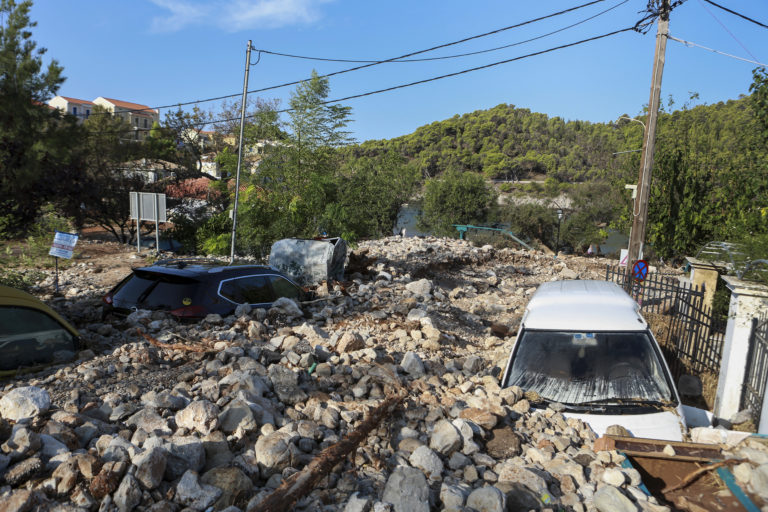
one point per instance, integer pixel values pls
(690, 385)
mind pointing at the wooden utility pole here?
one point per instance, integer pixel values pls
(240, 153)
(640, 206)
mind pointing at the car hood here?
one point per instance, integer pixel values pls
(665, 425)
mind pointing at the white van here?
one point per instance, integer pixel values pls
(584, 344)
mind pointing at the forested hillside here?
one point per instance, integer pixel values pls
(710, 177)
(506, 142)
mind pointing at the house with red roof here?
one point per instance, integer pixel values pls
(81, 109)
(140, 117)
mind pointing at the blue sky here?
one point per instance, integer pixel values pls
(159, 52)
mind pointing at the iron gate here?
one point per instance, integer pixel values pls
(753, 392)
(692, 340)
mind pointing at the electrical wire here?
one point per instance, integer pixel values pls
(688, 43)
(426, 80)
(737, 14)
(375, 63)
(445, 57)
(726, 29)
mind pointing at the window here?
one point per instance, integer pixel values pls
(29, 337)
(247, 290)
(74, 111)
(589, 367)
(145, 123)
(148, 290)
(87, 112)
(284, 288)
(137, 121)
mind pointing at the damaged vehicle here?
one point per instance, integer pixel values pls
(195, 288)
(584, 345)
(32, 334)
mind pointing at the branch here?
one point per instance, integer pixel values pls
(302, 483)
(690, 477)
(199, 348)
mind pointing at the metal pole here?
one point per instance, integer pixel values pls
(240, 152)
(56, 281)
(138, 222)
(157, 223)
(640, 208)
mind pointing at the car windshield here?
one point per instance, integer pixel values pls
(581, 368)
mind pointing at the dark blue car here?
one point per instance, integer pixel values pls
(192, 289)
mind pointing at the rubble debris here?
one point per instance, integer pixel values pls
(223, 412)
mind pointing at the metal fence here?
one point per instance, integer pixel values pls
(690, 335)
(753, 392)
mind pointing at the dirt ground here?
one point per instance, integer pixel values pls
(110, 261)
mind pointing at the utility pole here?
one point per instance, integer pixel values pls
(240, 152)
(640, 206)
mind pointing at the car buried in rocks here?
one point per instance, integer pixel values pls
(194, 288)
(32, 335)
(584, 346)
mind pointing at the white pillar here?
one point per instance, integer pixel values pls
(762, 427)
(748, 300)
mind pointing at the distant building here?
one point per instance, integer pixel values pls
(140, 117)
(81, 109)
(150, 171)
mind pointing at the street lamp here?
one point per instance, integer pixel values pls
(559, 220)
(633, 119)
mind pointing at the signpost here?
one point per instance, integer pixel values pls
(639, 273)
(63, 245)
(148, 206)
(640, 270)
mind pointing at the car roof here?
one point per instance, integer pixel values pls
(585, 306)
(200, 268)
(13, 297)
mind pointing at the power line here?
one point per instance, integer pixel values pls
(445, 57)
(737, 14)
(688, 43)
(376, 63)
(726, 29)
(426, 80)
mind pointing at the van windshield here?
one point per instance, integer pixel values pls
(588, 368)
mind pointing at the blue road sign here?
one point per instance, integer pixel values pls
(640, 270)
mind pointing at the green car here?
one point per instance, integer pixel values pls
(32, 334)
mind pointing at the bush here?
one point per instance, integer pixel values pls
(456, 198)
(41, 234)
(20, 279)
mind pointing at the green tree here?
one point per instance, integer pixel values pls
(297, 177)
(456, 198)
(759, 90)
(35, 142)
(370, 193)
(107, 176)
(531, 221)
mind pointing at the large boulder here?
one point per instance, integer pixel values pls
(200, 415)
(24, 403)
(407, 490)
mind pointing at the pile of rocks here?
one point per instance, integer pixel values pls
(215, 415)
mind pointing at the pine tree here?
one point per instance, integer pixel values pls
(34, 139)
